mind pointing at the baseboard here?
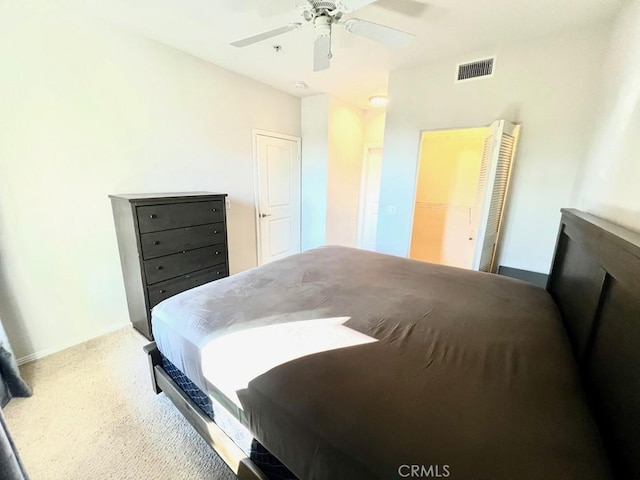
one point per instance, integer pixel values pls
(539, 279)
(71, 343)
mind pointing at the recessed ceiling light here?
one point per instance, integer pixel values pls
(300, 84)
(378, 101)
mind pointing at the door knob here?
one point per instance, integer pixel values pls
(262, 215)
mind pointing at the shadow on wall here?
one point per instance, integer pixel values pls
(241, 234)
(620, 216)
(10, 313)
(609, 174)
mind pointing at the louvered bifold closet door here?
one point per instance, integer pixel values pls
(493, 184)
(482, 185)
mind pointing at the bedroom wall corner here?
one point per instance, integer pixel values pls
(89, 110)
(332, 148)
(315, 152)
(608, 186)
(346, 133)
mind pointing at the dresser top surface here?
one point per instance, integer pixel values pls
(165, 196)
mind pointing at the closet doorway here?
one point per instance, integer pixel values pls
(462, 183)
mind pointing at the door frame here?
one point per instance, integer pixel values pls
(363, 183)
(416, 176)
(256, 184)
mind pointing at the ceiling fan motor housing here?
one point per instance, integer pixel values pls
(322, 5)
(316, 9)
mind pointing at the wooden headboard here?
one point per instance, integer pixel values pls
(595, 280)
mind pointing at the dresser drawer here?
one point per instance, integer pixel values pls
(164, 290)
(154, 218)
(157, 244)
(171, 266)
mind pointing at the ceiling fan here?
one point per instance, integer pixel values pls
(323, 15)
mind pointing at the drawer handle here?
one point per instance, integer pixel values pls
(217, 273)
(156, 242)
(163, 291)
(217, 253)
(159, 267)
(153, 215)
(214, 209)
(215, 232)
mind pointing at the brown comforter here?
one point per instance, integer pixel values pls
(471, 376)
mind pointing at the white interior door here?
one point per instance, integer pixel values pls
(495, 171)
(278, 196)
(370, 199)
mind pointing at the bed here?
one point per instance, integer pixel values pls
(344, 364)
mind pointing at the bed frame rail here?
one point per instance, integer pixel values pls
(227, 450)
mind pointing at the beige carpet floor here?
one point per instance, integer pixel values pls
(93, 415)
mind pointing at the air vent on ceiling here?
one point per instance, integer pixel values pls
(477, 69)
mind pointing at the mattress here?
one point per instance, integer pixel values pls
(348, 364)
(261, 457)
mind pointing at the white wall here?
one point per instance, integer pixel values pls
(548, 85)
(315, 152)
(88, 111)
(373, 124)
(344, 172)
(610, 185)
(332, 153)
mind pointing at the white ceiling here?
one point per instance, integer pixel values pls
(360, 67)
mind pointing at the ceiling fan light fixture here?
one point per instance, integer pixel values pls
(378, 101)
(322, 25)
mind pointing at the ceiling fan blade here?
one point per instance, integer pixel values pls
(379, 33)
(322, 53)
(352, 5)
(266, 35)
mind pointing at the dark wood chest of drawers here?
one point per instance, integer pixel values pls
(168, 243)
